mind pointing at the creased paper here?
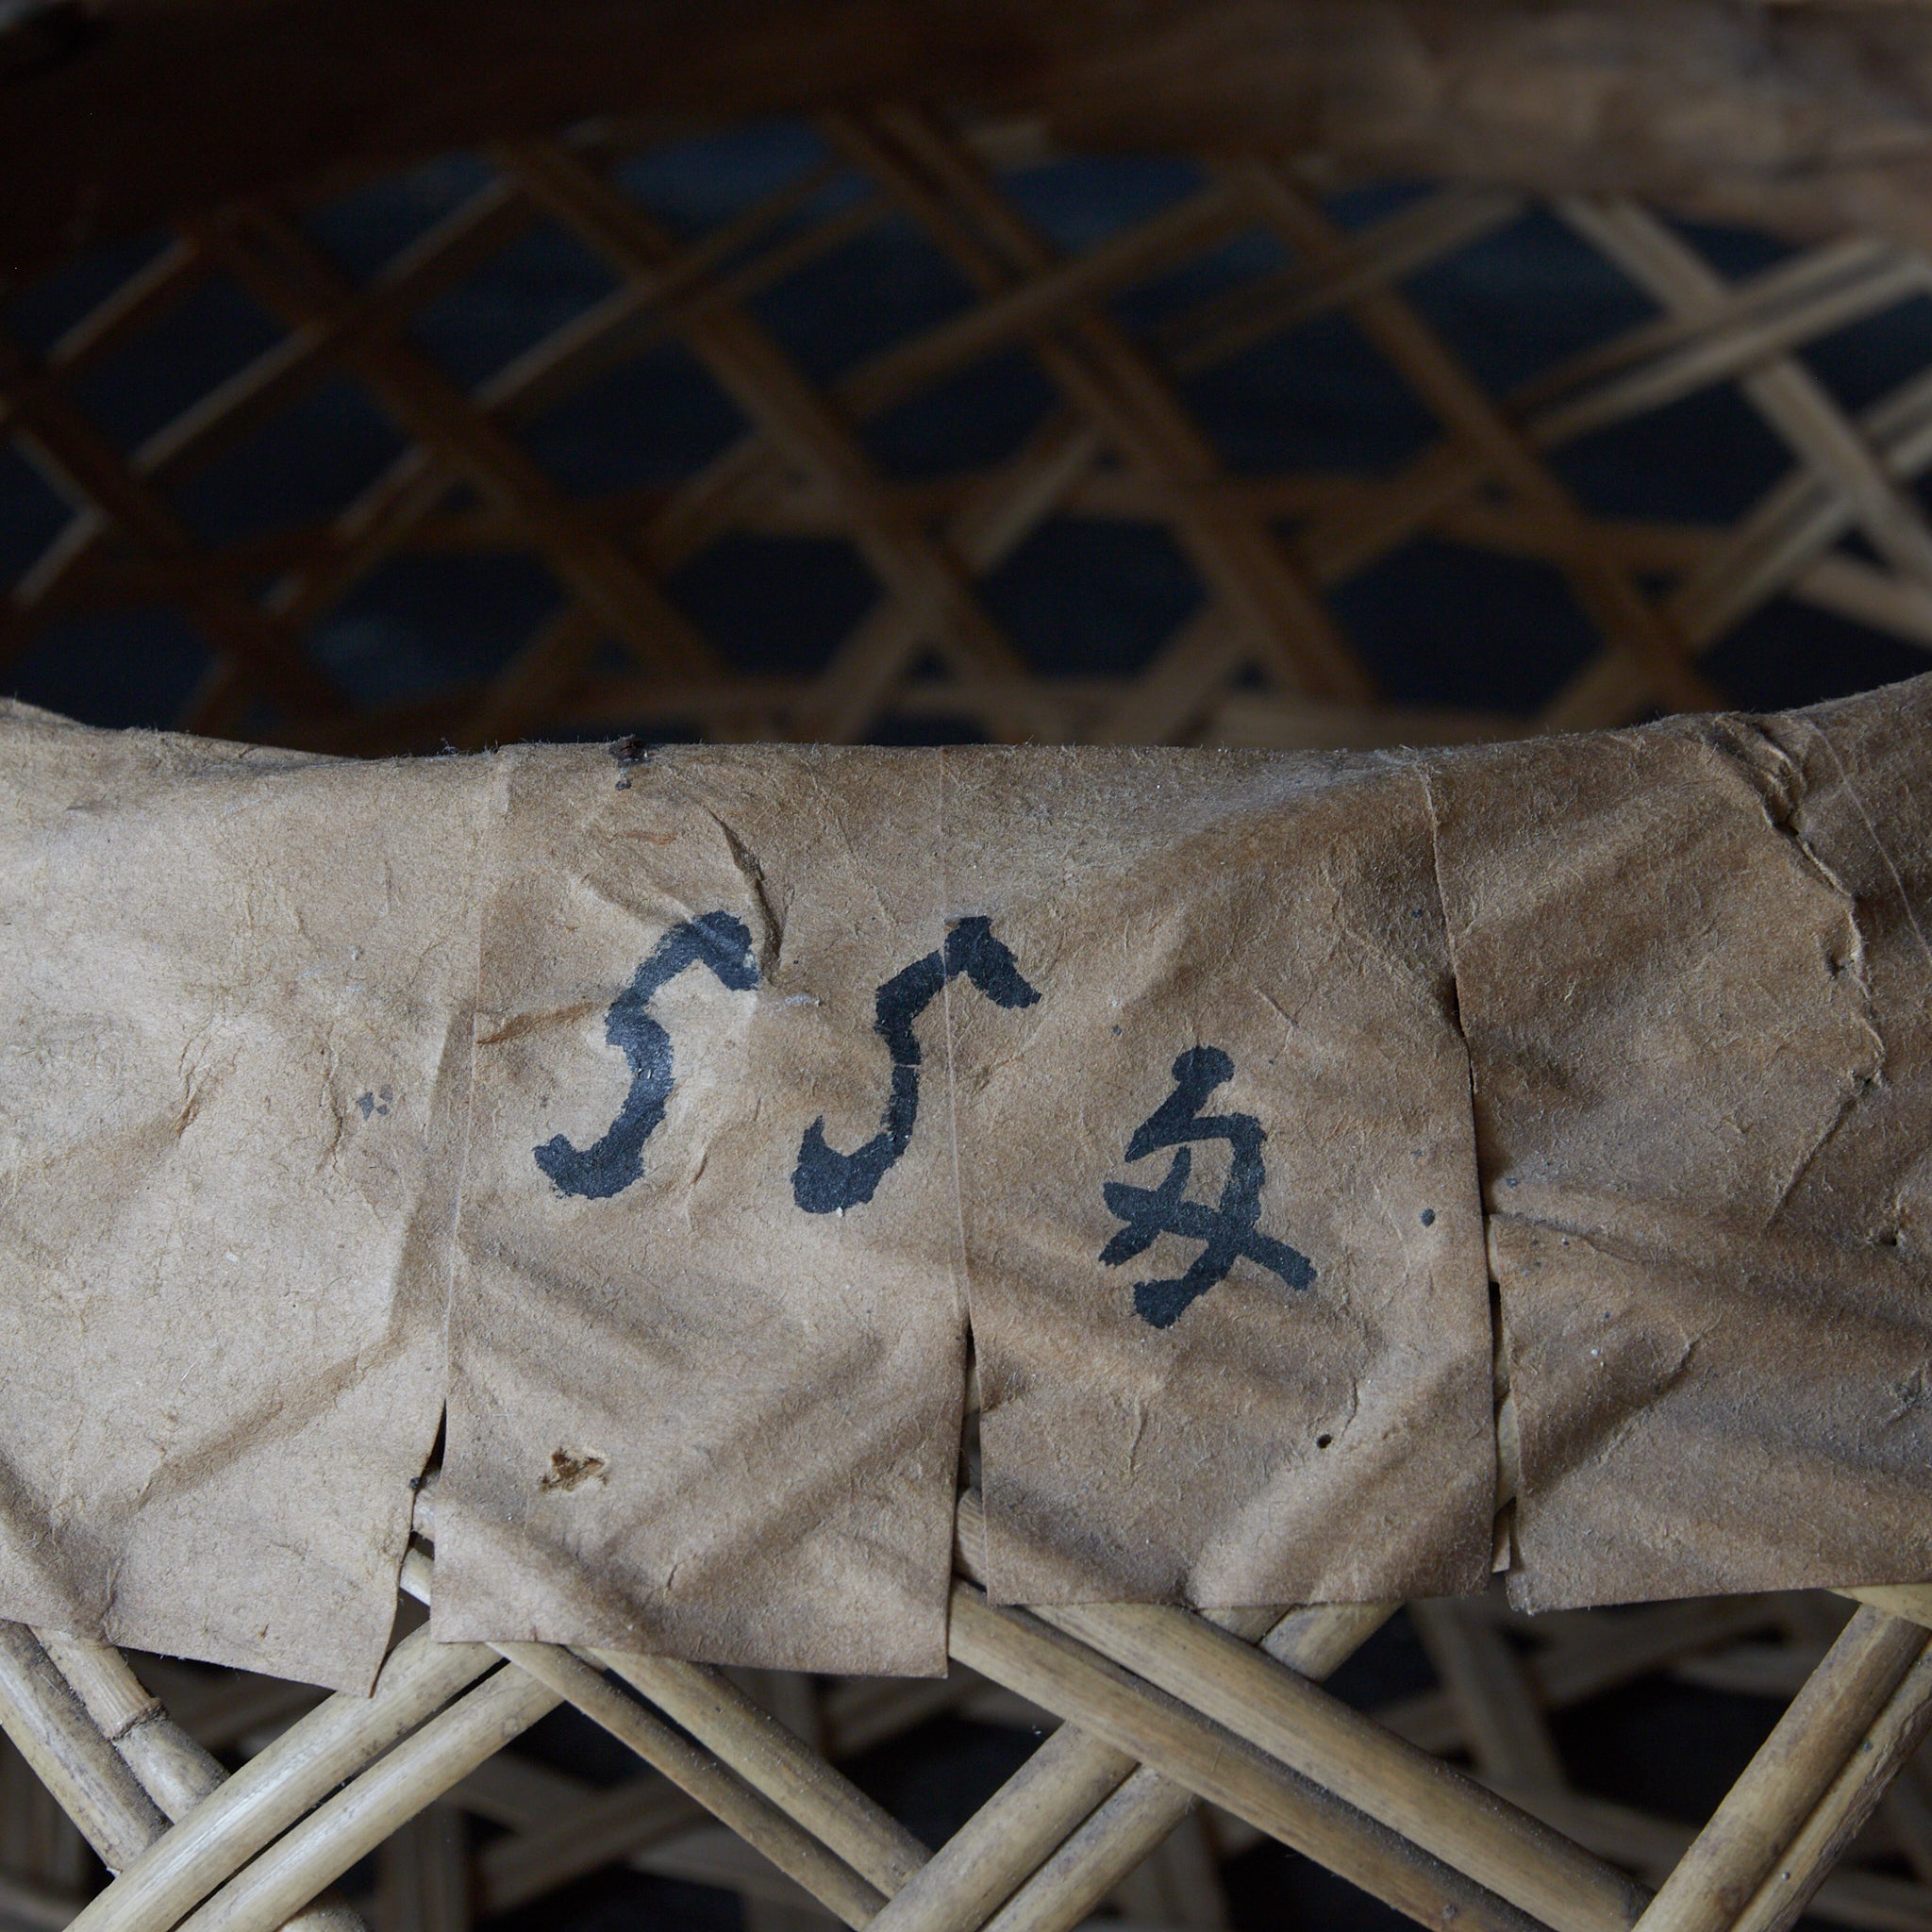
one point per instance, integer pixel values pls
(685, 1115)
(708, 1336)
(1217, 1184)
(234, 1050)
(1694, 991)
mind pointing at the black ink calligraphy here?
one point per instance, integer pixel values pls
(717, 940)
(825, 1180)
(1226, 1230)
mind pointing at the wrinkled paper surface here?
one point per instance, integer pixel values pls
(1695, 981)
(234, 1055)
(1241, 965)
(689, 1415)
(683, 1117)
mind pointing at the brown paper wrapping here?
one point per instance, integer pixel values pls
(234, 1033)
(1265, 935)
(1694, 986)
(689, 1415)
(683, 1112)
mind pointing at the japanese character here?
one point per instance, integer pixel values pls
(825, 1180)
(1226, 1231)
(716, 940)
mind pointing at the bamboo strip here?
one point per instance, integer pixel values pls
(760, 1823)
(1848, 1801)
(1747, 343)
(1011, 1835)
(177, 1772)
(1051, 1669)
(1784, 392)
(1501, 1718)
(796, 418)
(352, 1824)
(642, 312)
(1112, 380)
(372, 527)
(1428, 1802)
(268, 1794)
(49, 1727)
(174, 1771)
(1044, 297)
(314, 348)
(272, 258)
(168, 276)
(1138, 1816)
(1721, 1872)
(986, 529)
(1400, 244)
(86, 469)
(1773, 289)
(1602, 586)
(797, 1781)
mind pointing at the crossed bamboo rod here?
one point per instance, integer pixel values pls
(1161, 1709)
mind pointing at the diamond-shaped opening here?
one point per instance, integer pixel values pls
(1368, 202)
(524, 293)
(1787, 652)
(1438, 624)
(304, 465)
(1737, 254)
(1088, 596)
(651, 421)
(114, 667)
(1617, 1737)
(1316, 397)
(1081, 200)
(844, 306)
(776, 605)
(32, 512)
(976, 418)
(1875, 356)
(1704, 458)
(832, 199)
(423, 624)
(375, 220)
(38, 316)
(1855, 543)
(1268, 1884)
(1164, 305)
(211, 333)
(698, 183)
(1523, 298)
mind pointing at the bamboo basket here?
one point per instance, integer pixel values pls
(1175, 1739)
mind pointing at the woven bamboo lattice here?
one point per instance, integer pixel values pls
(1259, 660)
(1181, 1738)
(1158, 1711)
